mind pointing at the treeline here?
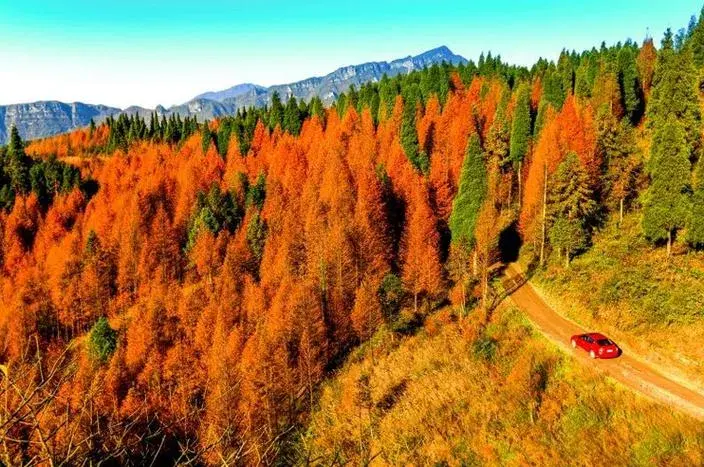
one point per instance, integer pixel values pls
(20, 175)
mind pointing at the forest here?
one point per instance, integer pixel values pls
(176, 291)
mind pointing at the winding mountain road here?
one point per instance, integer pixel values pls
(628, 370)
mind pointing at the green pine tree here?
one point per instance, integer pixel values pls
(470, 194)
(520, 133)
(409, 138)
(696, 41)
(631, 94)
(695, 229)
(256, 236)
(570, 206)
(616, 145)
(17, 166)
(276, 113)
(316, 108)
(102, 340)
(543, 106)
(520, 127)
(667, 200)
(292, 119)
(497, 141)
(206, 136)
(675, 92)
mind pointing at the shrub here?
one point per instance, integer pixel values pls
(391, 295)
(102, 340)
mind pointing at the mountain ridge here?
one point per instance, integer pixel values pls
(46, 118)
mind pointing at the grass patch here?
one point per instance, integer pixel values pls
(464, 394)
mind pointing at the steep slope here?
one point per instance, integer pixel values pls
(46, 118)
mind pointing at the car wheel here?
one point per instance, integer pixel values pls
(592, 354)
(574, 344)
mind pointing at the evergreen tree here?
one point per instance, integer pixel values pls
(695, 230)
(352, 97)
(470, 194)
(388, 90)
(214, 211)
(17, 166)
(696, 40)
(223, 137)
(276, 114)
(553, 93)
(569, 194)
(102, 340)
(317, 109)
(409, 138)
(292, 117)
(256, 193)
(631, 92)
(586, 74)
(206, 136)
(153, 122)
(520, 127)
(565, 77)
(667, 204)
(675, 92)
(616, 146)
(520, 132)
(570, 205)
(341, 105)
(497, 141)
(256, 236)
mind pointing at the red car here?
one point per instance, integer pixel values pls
(598, 345)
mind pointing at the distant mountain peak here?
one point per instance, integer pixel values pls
(440, 54)
(40, 119)
(233, 92)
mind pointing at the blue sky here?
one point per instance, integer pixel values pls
(165, 52)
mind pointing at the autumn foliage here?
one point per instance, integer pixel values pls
(183, 298)
(231, 283)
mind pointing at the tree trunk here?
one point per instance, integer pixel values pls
(520, 184)
(620, 213)
(567, 258)
(475, 266)
(415, 302)
(669, 243)
(545, 212)
(510, 193)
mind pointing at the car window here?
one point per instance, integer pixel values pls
(587, 339)
(604, 342)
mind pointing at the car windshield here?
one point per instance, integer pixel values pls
(604, 342)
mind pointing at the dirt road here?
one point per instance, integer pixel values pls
(627, 369)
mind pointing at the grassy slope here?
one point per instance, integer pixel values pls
(624, 287)
(454, 394)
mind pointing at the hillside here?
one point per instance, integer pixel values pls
(458, 393)
(40, 119)
(177, 291)
(651, 305)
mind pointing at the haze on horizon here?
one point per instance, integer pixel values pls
(157, 52)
